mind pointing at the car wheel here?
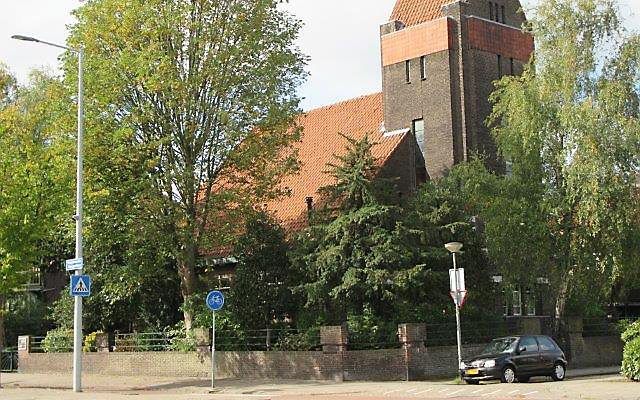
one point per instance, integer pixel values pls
(523, 379)
(508, 375)
(558, 372)
(471, 382)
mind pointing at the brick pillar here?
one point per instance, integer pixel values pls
(202, 338)
(24, 348)
(334, 339)
(574, 329)
(102, 342)
(413, 337)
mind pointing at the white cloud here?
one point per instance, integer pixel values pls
(340, 36)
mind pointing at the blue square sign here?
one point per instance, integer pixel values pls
(80, 285)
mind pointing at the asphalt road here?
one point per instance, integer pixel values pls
(22, 387)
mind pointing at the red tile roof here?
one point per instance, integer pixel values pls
(414, 12)
(320, 142)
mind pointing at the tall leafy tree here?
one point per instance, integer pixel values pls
(34, 195)
(261, 293)
(209, 87)
(570, 127)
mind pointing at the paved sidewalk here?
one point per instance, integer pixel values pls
(581, 383)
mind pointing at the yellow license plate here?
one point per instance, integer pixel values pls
(472, 372)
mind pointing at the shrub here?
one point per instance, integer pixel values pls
(90, 342)
(631, 355)
(303, 341)
(58, 340)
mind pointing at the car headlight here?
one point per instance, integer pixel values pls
(463, 365)
(490, 363)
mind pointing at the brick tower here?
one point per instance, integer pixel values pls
(439, 61)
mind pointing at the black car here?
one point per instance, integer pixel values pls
(516, 358)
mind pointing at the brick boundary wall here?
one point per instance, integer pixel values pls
(412, 361)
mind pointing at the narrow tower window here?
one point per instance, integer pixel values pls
(407, 71)
(513, 71)
(504, 17)
(491, 10)
(423, 67)
(497, 10)
(418, 131)
(499, 66)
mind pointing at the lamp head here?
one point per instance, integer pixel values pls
(453, 247)
(25, 38)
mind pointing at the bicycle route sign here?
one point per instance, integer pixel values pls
(215, 300)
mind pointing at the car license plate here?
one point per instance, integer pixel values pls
(472, 372)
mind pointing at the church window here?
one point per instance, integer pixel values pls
(418, 131)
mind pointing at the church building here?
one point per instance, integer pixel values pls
(439, 59)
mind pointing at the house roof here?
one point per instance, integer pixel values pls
(414, 12)
(320, 142)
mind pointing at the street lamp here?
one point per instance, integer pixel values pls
(454, 248)
(77, 308)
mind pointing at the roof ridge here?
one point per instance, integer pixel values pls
(342, 102)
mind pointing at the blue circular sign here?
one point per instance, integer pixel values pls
(215, 300)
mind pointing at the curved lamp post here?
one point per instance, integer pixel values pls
(454, 248)
(77, 308)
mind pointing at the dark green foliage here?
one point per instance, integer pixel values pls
(379, 264)
(25, 315)
(631, 355)
(349, 259)
(261, 294)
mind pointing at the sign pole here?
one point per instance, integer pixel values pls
(213, 350)
(77, 306)
(215, 301)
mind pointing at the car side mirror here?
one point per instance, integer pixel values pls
(522, 349)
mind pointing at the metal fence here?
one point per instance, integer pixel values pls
(230, 340)
(36, 344)
(602, 327)
(9, 360)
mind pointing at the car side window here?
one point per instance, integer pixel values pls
(546, 344)
(528, 344)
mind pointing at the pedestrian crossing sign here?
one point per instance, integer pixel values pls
(80, 285)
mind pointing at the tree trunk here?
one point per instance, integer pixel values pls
(186, 271)
(561, 302)
(2, 313)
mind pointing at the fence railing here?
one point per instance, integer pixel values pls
(36, 344)
(230, 340)
(9, 360)
(438, 334)
(601, 327)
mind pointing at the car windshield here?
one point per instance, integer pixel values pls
(503, 345)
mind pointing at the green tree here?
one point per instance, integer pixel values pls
(443, 211)
(569, 126)
(34, 201)
(261, 293)
(351, 257)
(210, 87)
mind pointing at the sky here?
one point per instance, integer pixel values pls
(341, 37)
